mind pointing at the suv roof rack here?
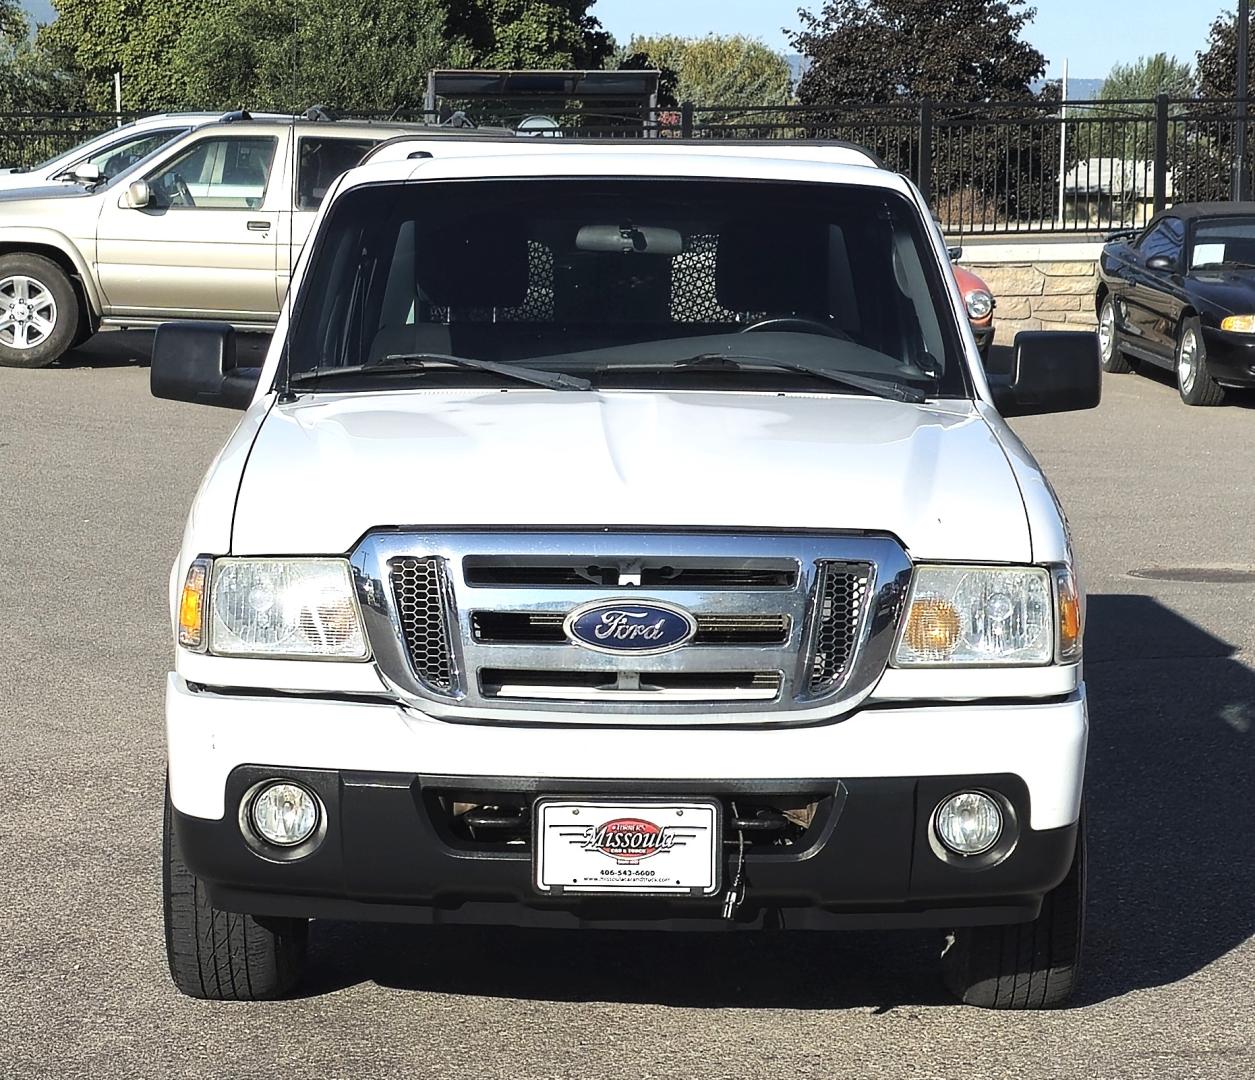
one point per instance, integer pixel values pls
(236, 115)
(320, 114)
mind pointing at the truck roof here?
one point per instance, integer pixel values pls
(503, 159)
(417, 145)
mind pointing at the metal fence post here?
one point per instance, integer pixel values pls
(924, 167)
(1161, 152)
(686, 120)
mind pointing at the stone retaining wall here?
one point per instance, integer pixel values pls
(1034, 290)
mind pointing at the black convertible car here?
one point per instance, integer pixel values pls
(1180, 293)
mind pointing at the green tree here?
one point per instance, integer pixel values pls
(529, 33)
(1217, 64)
(729, 70)
(30, 81)
(1147, 77)
(355, 57)
(883, 50)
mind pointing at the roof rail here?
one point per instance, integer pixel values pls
(236, 115)
(319, 113)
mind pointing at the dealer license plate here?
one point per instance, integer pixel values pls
(643, 846)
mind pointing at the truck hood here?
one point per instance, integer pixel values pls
(328, 468)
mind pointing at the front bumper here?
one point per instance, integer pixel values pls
(388, 854)
(1230, 357)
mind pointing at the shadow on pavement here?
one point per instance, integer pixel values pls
(133, 348)
(1170, 783)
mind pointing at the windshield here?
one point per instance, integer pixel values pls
(1222, 242)
(629, 283)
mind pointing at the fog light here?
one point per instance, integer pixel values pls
(968, 823)
(284, 814)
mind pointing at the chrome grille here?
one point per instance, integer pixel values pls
(842, 605)
(419, 589)
(469, 625)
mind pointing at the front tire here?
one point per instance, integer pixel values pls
(1194, 382)
(39, 311)
(1113, 360)
(223, 955)
(1028, 965)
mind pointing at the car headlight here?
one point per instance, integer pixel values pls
(979, 615)
(979, 303)
(292, 608)
(1239, 324)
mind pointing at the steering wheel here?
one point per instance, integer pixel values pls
(795, 322)
(180, 191)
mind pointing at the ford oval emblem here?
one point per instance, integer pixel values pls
(627, 626)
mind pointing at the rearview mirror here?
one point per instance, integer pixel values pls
(139, 195)
(196, 362)
(1051, 371)
(955, 253)
(1161, 262)
(629, 239)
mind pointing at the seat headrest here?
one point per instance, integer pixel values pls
(774, 266)
(477, 263)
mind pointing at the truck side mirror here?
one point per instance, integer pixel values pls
(139, 195)
(1051, 371)
(86, 172)
(196, 362)
(955, 253)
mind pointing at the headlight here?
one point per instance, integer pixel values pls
(1239, 324)
(296, 608)
(979, 303)
(978, 615)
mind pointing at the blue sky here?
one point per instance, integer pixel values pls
(1092, 34)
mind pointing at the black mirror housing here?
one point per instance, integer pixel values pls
(1051, 371)
(1161, 262)
(196, 362)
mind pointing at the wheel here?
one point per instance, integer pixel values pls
(1027, 965)
(1196, 386)
(223, 955)
(1110, 356)
(39, 311)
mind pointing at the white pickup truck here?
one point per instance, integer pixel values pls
(626, 536)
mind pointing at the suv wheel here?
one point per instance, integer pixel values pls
(1113, 360)
(223, 955)
(1196, 386)
(1028, 965)
(39, 311)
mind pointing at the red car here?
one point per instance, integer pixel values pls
(980, 305)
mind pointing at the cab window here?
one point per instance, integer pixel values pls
(322, 159)
(122, 155)
(227, 173)
(1166, 238)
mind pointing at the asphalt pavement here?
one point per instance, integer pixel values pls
(95, 481)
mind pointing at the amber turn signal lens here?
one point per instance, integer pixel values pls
(932, 630)
(192, 606)
(1070, 622)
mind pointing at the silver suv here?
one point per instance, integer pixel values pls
(206, 227)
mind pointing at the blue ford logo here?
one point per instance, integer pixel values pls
(629, 626)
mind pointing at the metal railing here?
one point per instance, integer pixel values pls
(1028, 166)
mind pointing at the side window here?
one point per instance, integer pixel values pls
(226, 173)
(322, 159)
(1166, 238)
(122, 155)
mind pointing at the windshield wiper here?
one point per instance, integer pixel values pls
(399, 363)
(893, 391)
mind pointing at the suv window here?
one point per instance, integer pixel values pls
(122, 155)
(1166, 238)
(226, 173)
(639, 274)
(322, 159)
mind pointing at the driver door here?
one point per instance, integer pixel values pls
(204, 246)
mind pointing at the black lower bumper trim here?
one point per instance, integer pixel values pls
(865, 861)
